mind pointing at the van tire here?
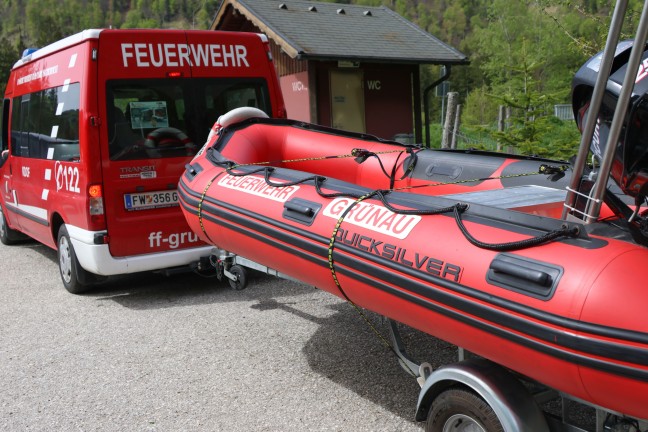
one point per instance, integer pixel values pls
(8, 236)
(71, 271)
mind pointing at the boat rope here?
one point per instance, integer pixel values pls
(200, 205)
(318, 180)
(381, 194)
(357, 308)
(411, 151)
(355, 153)
(458, 208)
(565, 231)
(360, 156)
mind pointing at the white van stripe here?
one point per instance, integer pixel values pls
(38, 212)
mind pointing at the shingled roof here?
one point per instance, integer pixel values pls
(308, 30)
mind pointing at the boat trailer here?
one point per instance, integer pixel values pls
(518, 403)
(476, 394)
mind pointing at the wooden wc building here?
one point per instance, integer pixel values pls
(347, 66)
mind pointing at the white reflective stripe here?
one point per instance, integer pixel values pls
(38, 212)
(72, 61)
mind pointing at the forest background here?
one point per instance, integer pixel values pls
(523, 53)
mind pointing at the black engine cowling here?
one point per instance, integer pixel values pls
(630, 166)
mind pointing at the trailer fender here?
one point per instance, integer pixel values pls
(513, 404)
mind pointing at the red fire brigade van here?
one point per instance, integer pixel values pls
(96, 131)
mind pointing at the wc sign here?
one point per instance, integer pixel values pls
(374, 85)
(299, 86)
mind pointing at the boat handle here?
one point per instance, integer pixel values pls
(536, 276)
(298, 208)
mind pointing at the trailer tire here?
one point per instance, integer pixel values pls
(458, 409)
(74, 277)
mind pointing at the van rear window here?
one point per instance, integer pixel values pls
(172, 118)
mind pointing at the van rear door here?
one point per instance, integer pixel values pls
(163, 90)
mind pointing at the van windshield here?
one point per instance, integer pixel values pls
(172, 117)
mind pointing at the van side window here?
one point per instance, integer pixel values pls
(4, 131)
(4, 126)
(45, 124)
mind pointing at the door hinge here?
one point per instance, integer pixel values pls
(95, 121)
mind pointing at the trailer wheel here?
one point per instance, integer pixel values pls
(241, 277)
(7, 235)
(71, 271)
(456, 410)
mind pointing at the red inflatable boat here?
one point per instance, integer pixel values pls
(468, 247)
(536, 266)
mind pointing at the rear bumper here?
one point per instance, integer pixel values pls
(97, 259)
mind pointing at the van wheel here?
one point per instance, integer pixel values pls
(461, 410)
(71, 271)
(7, 235)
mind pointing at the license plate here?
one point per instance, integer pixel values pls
(148, 200)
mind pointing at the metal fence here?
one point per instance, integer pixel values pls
(564, 112)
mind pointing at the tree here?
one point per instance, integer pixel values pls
(9, 54)
(531, 111)
(559, 36)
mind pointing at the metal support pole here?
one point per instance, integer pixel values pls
(426, 102)
(595, 103)
(598, 192)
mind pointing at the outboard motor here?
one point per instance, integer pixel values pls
(630, 166)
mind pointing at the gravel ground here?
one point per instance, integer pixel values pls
(185, 353)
